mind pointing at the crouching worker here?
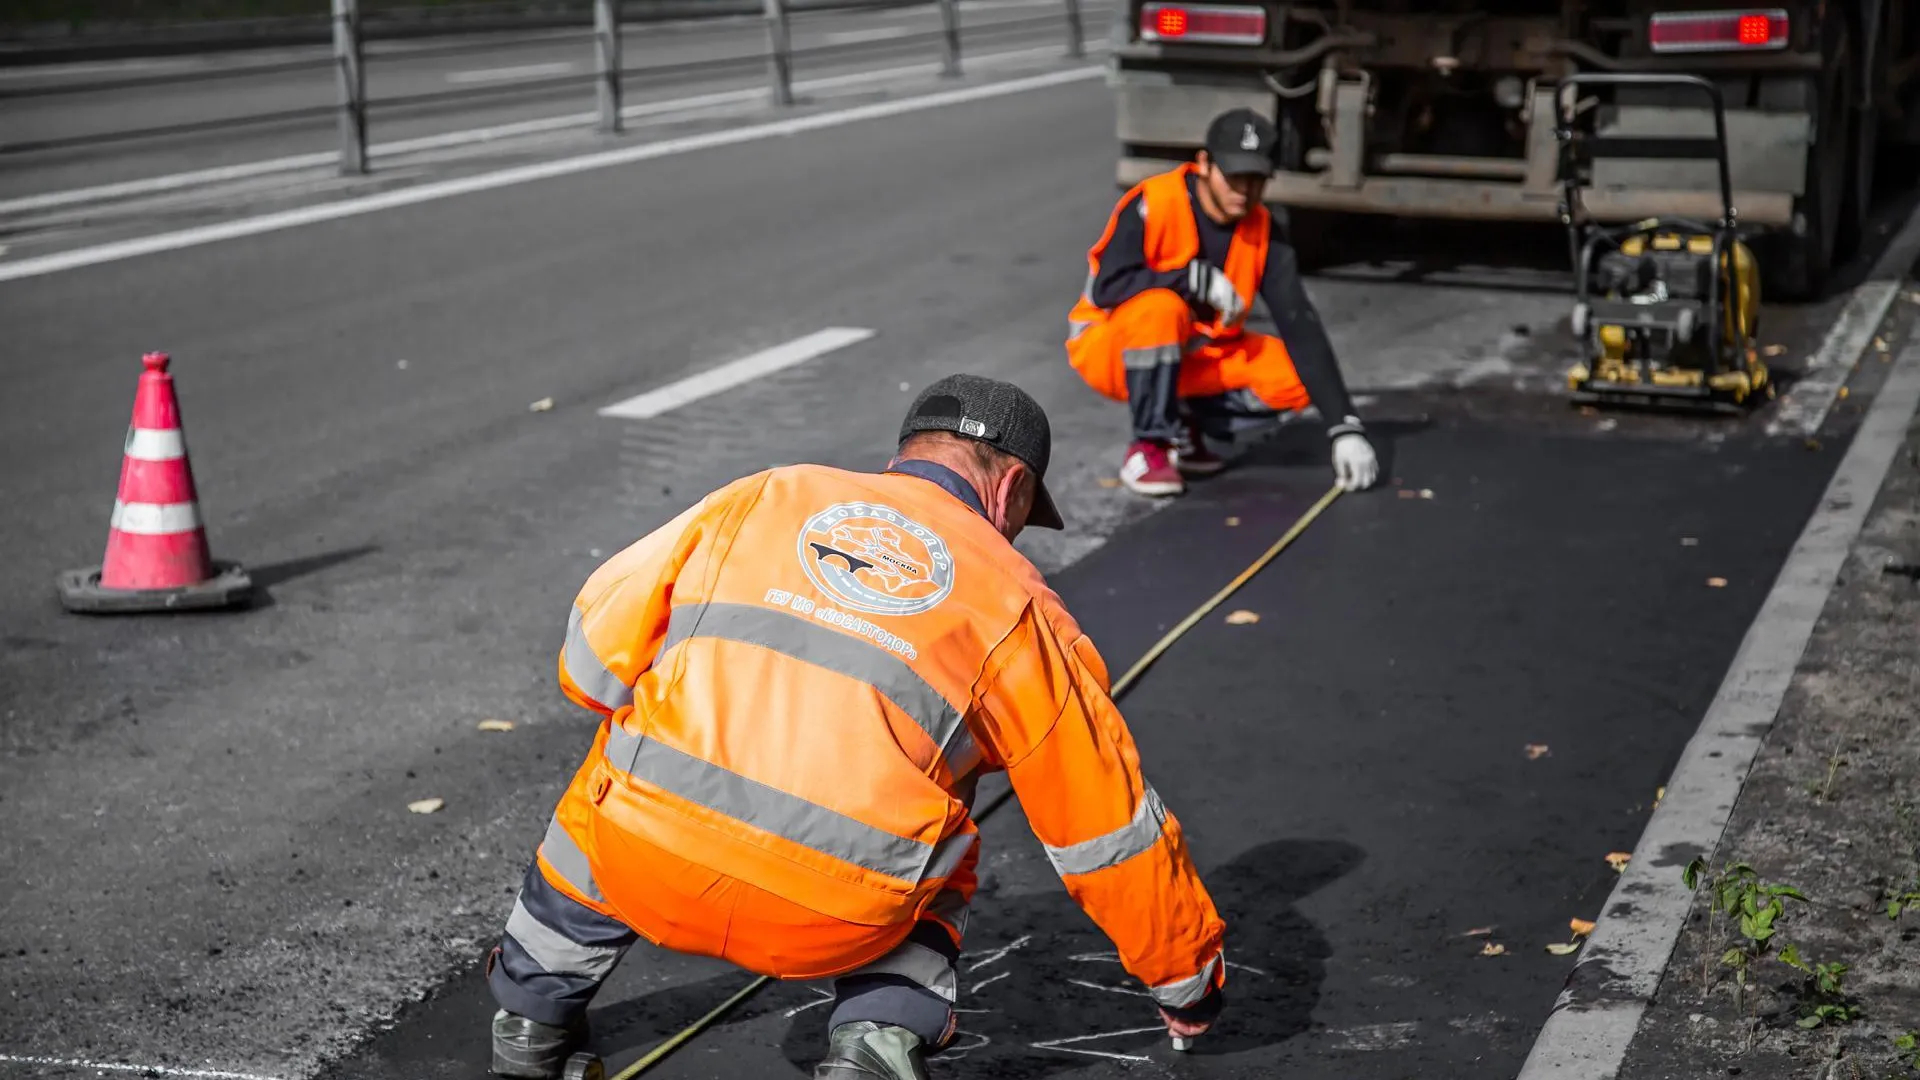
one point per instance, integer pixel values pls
(1159, 323)
(802, 679)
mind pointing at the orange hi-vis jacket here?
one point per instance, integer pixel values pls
(803, 678)
(1173, 241)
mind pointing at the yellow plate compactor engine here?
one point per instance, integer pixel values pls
(1665, 309)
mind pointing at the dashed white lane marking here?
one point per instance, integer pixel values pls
(1598, 1013)
(712, 381)
(511, 74)
(154, 185)
(527, 174)
(143, 1070)
(854, 37)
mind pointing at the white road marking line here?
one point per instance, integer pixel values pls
(1598, 1013)
(878, 33)
(526, 174)
(707, 383)
(1803, 408)
(321, 159)
(144, 1070)
(1061, 1044)
(509, 74)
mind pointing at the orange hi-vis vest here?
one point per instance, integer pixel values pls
(1173, 241)
(804, 676)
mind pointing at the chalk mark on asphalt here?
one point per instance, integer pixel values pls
(1000, 953)
(1060, 1044)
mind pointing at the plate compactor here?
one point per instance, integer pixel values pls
(1664, 308)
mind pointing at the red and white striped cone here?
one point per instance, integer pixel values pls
(157, 557)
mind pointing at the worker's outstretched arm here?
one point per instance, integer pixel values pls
(619, 618)
(1116, 846)
(1298, 322)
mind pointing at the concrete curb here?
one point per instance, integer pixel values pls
(1599, 1012)
(59, 43)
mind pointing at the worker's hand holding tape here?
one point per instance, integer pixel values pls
(1355, 465)
(1210, 285)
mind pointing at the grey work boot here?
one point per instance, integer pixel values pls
(529, 1050)
(864, 1050)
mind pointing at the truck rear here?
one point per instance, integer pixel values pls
(1446, 108)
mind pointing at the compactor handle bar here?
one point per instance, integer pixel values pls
(1670, 147)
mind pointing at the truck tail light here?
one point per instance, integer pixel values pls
(1203, 25)
(1717, 31)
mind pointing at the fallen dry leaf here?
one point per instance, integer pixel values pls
(1233, 522)
(1775, 350)
(426, 806)
(1426, 493)
(1813, 444)
(1880, 345)
(496, 725)
(1716, 583)
(1409, 493)
(1478, 931)
(1242, 618)
(1536, 751)
(1563, 948)
(1581, 927)
(1657, 796)
(1493, 950)
(1109, 482)
(1619, 860)
(1843, 393)
(545, 404)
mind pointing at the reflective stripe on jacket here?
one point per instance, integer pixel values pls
(1173, 241)
(804, 677)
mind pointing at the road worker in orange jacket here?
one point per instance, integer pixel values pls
(1159, 324)
(802, 678)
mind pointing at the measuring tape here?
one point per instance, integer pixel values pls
(1120, 687)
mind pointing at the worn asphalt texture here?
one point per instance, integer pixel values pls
(213, 863)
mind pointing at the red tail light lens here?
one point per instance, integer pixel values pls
(1717, 31)
(1203, 25)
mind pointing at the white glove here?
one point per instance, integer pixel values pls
(1208, 284)
(1354, 463)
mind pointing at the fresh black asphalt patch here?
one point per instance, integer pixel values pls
(1351, 770)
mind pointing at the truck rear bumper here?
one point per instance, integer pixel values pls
(1486, 200)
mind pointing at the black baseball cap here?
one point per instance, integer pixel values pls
(1241, 142)
(999, 414)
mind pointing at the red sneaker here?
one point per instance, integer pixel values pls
(1149, 470)
(1191, 456)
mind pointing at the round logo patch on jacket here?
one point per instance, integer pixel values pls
(875, 559)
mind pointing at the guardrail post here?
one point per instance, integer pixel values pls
(606, 35)
(779, 52)
(1076, 31)
(950, 23)
(353, 86)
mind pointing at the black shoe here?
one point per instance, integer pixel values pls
(864, 1050)
(526, 1049)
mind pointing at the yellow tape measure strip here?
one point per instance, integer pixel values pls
(1120, 687)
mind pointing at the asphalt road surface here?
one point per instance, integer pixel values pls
(213, 864)
(427, 88)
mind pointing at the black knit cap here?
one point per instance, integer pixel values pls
(999, 414)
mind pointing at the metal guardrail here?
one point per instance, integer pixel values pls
(609, 77)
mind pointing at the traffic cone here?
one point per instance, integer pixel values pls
(157, 557)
